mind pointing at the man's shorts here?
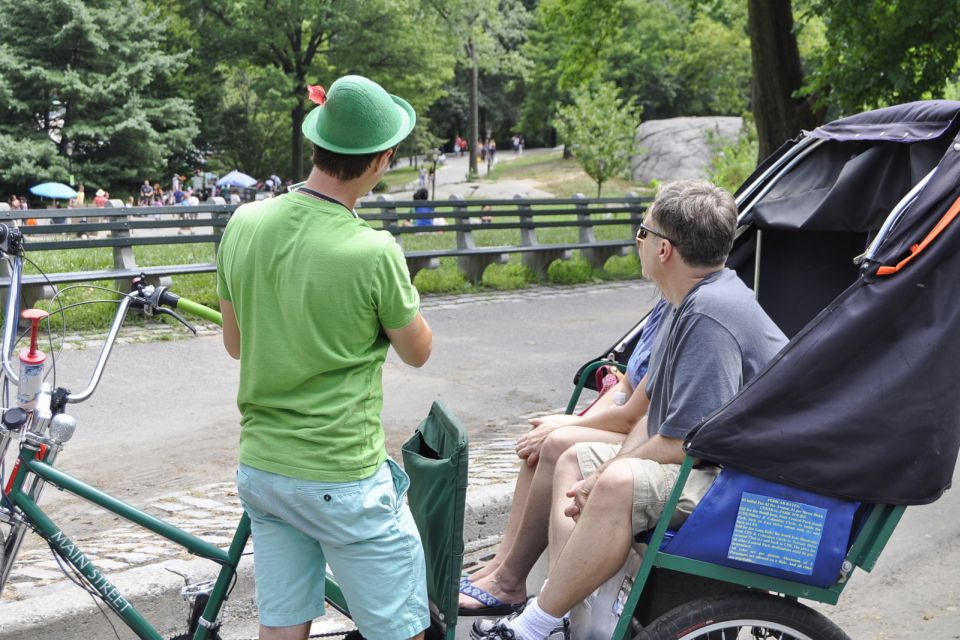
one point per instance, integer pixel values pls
(652, 484)
(362, 529)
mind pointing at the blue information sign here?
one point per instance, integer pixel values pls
(777, 533)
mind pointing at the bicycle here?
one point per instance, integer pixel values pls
(42, 426)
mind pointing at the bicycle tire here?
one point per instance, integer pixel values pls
(748, 615)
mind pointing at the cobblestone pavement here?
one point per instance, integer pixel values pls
(211, 512)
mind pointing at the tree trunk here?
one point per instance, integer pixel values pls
(474, 114)
(296, 141)
(777, 75)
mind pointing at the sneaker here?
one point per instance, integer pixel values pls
(489, 629)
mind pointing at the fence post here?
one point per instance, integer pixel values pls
(633, 199)
(528, 236)
(585, 226)
(464, 236)
(474, 265)
(540, 259)
(218, 215)
(123, 257)
(388, 210)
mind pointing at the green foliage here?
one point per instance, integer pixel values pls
(576, 271)
(600, 127)
(882, 52)
(512, 275)
(447, 279)
(92, 74)
(713, 66)
(670, 58)
(281, 46)
(733, 163)
(623, 267)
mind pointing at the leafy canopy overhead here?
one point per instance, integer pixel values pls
(85, 76)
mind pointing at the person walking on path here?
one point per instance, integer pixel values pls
(312, 298)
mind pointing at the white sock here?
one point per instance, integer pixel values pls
(533, 623)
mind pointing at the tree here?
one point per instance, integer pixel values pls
(491, 32)
(601, 128)
(394, 42)
(670, 58)
(876, 53)
(779, 111)
(884, 52)
(83, 78)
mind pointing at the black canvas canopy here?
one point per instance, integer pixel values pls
(862, 403)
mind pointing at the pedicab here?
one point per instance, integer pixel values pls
(847, 235)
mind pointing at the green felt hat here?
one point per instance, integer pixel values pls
(359, 117)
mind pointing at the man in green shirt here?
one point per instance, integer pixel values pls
(312, 298)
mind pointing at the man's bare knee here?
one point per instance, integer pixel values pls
(615, 485)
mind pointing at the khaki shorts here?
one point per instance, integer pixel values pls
(652, 484)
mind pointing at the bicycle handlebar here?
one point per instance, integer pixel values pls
(152, 300)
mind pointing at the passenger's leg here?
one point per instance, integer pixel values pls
(520, 493)
(507, 582)
(583, 565)
(566, 475)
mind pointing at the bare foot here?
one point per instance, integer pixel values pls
(492, 584)
(484, 571)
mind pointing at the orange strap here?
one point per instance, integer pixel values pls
(917, 248)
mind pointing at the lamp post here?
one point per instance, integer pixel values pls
(68, 149)
(433, 183)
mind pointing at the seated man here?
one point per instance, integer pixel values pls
(716, 340)
(501, 584)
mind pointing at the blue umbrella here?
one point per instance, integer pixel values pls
(53, 190)
(236, 179)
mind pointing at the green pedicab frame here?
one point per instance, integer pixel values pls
(863, 552)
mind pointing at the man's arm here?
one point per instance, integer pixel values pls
(413, 343)
(231, 332)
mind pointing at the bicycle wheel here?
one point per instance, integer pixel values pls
(742, 616)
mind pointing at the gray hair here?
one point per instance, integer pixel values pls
(700, 217)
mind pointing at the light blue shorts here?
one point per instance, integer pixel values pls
(362, 529)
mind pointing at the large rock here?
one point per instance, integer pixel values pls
(680, 148)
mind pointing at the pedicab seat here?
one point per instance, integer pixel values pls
(763, 527)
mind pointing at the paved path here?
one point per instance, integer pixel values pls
(451, 180)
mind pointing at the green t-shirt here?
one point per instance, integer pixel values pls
(312, 287)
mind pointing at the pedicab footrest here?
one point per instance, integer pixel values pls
(767, 528)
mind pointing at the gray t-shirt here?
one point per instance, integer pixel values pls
(715, 341)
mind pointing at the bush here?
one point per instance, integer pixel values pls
(508, 276)
(625, 267)
(576, 271)
(732, 164)
(447, 279)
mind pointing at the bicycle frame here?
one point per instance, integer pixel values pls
(19, 500)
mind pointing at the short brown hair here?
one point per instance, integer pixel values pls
(701, 219)
(342, 166)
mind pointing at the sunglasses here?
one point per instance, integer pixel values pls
(644, 230)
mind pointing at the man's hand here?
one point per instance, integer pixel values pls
(580, 491)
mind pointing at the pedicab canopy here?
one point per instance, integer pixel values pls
(863, 402)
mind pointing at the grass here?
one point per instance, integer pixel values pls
(562, 178)
(398, 179)
(550, 171)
